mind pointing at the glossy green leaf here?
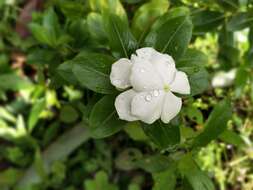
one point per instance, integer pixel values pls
(90, 66)
(163, 135)
(65, 71)
(146, 15)
(215, 125)
(104, 120)
(121, 40)
(172, 37)
(192, 63)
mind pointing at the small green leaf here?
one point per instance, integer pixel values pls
(104, 119)
(163, 135)
(215, 125)
(172, 37)
(37, 108)
(90, 66)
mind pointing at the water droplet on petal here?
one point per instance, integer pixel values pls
(144, 87)
(148, 98)
(117, 81)
(156, 93)
(142, 70)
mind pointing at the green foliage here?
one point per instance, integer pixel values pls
(58, 125)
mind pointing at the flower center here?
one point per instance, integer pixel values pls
(166, 88)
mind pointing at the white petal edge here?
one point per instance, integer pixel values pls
(145, 53)
(147, 106)
(120, 73)
(171, 107)
(123, 105)
(143, 75)
(180, 84)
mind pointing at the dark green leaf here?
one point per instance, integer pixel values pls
(232, 138)
(146, 15)
(165, 179)
(154, 163)
(196, 178)
(90, 66)
(206, 20)
(215, 125)
(163, 135)
(240, 21)
(104, 119)
(119, 35)
(172, 37)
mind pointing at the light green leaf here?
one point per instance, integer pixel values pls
(12, 81)
(34, 116)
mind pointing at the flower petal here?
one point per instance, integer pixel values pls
(123, 105)
(163, 63)
(120, 73)
(171, 107)
(165, 66)
(147, 106)
(143, 76)
(180, 84)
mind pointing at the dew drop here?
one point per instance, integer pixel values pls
(142, 70)
(156, 93)
(148, 98)
(145, 87)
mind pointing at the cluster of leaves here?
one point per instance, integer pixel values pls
(69, 110)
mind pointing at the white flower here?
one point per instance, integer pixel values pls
(153, 77)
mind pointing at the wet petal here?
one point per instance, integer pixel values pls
(143, 75)
(120, 73)
(180, 84)
(123, 105)
(165, 66)
(171, 107)
(147, 106)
